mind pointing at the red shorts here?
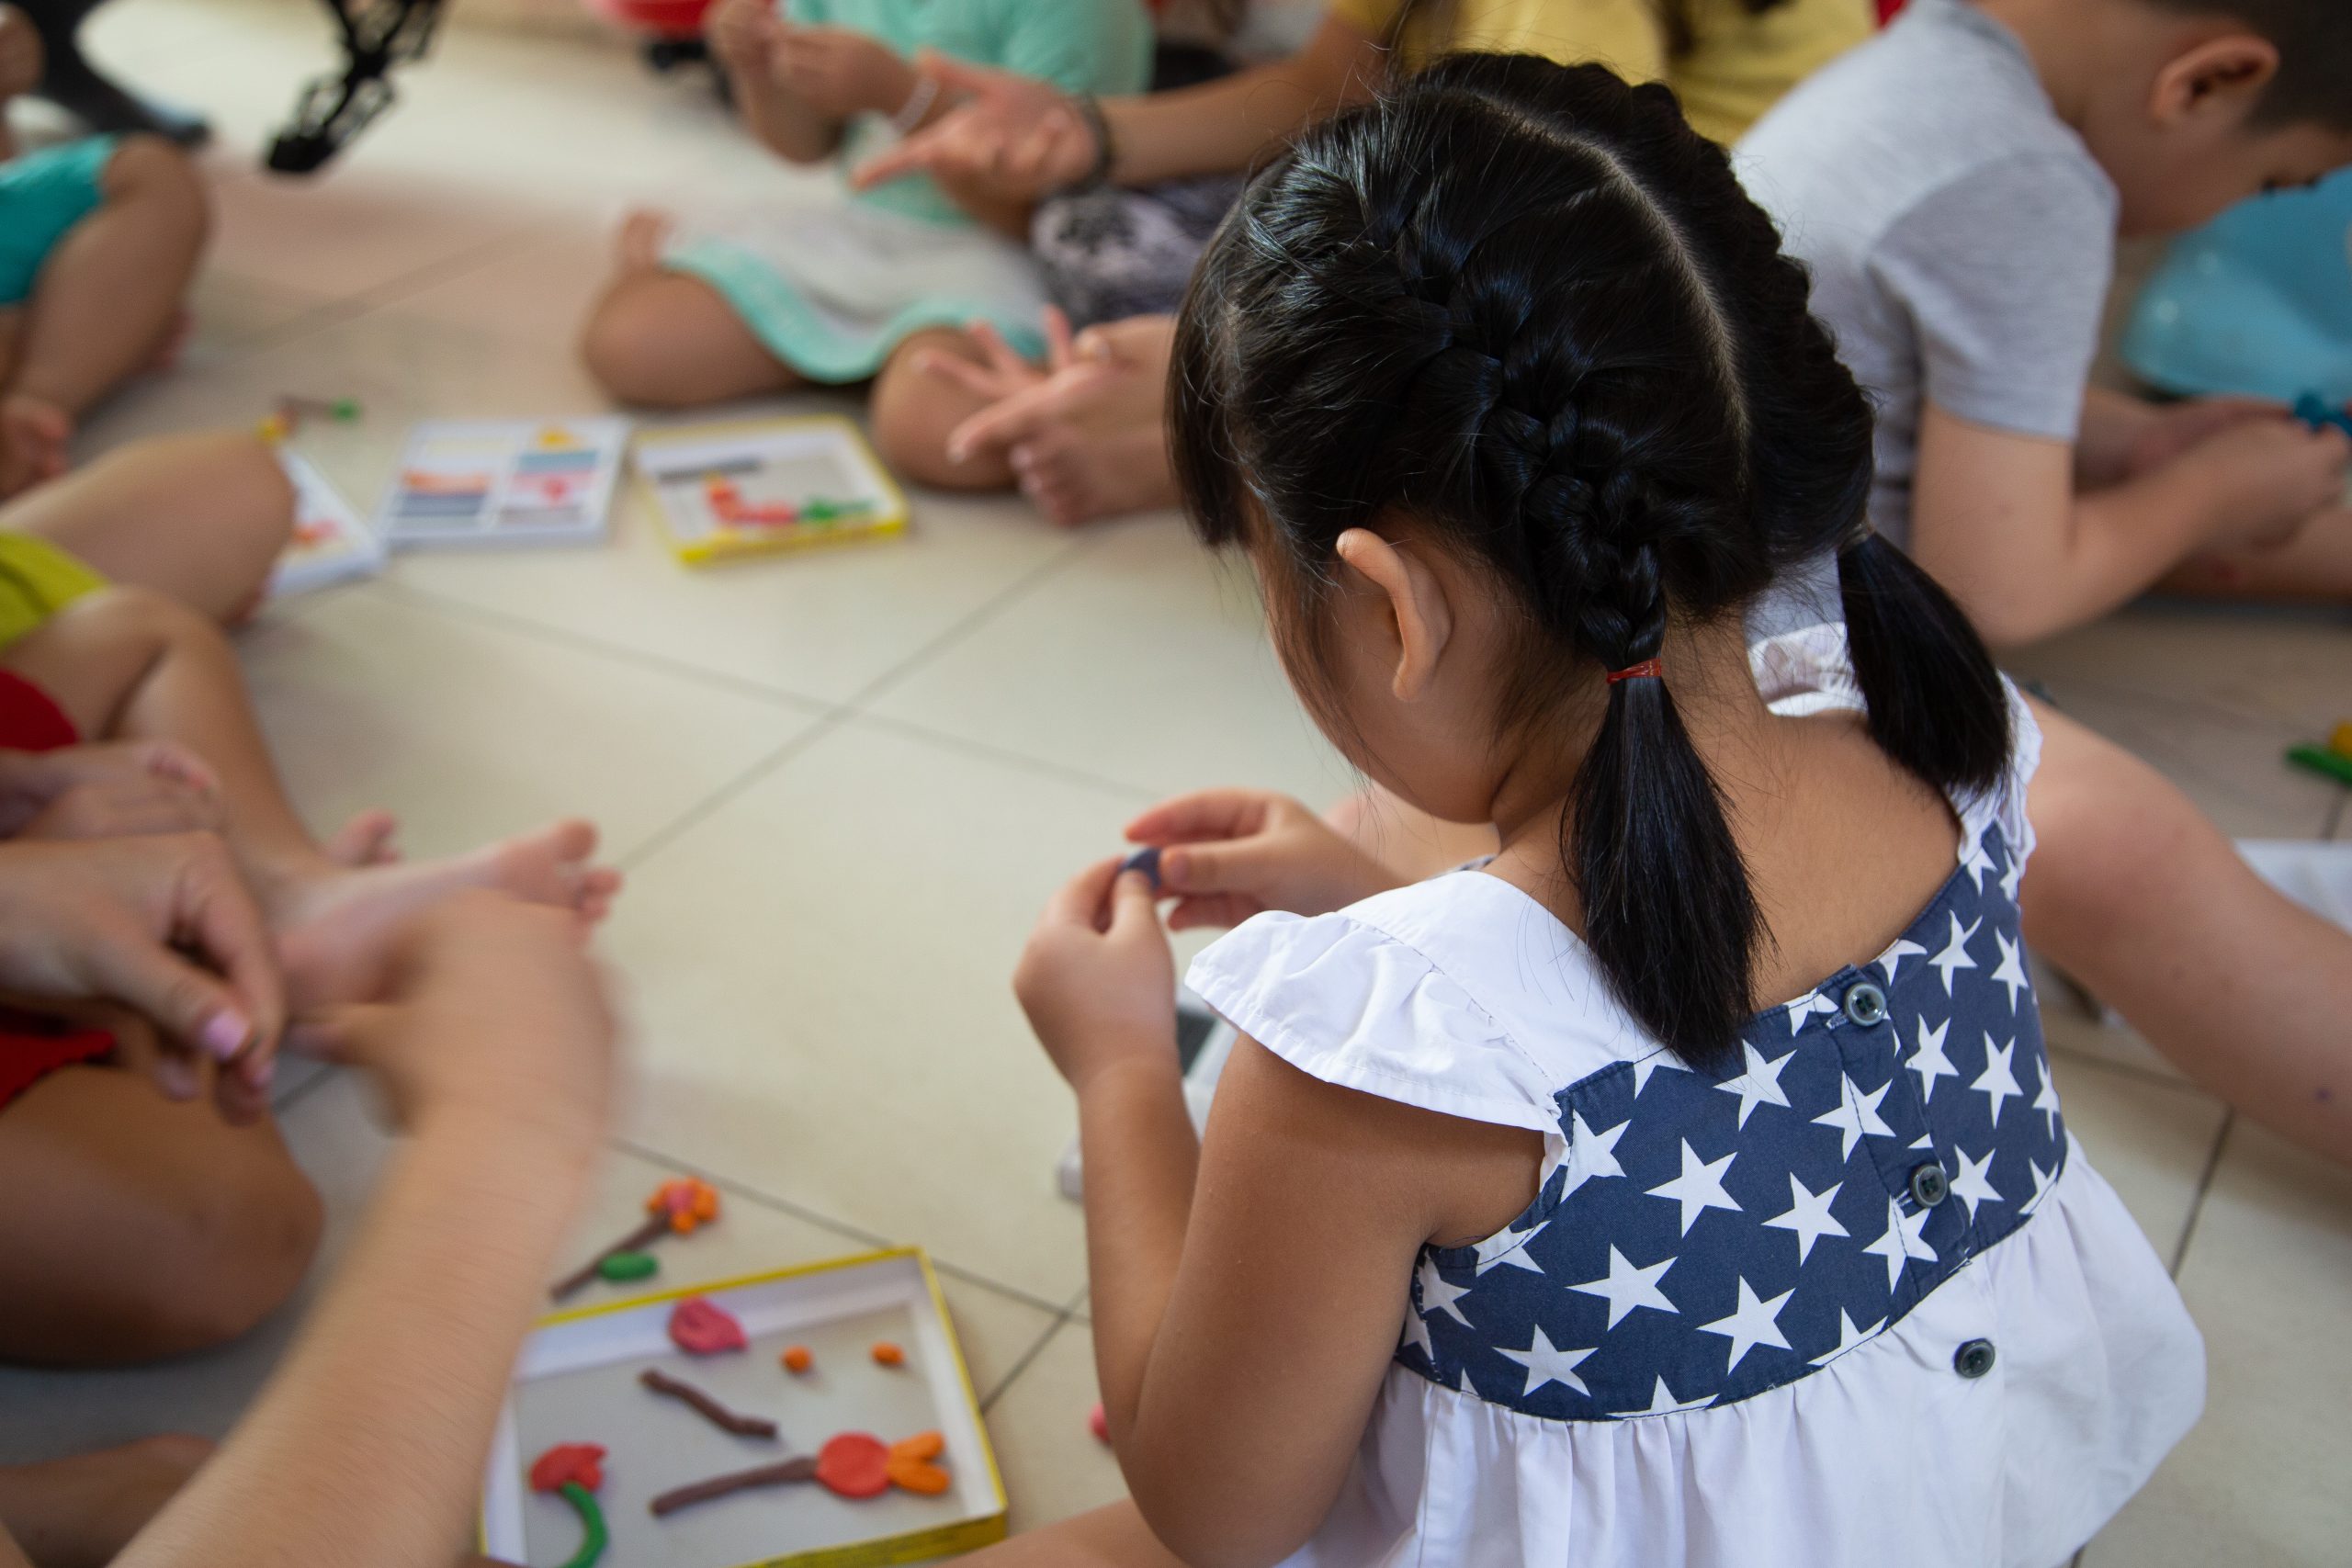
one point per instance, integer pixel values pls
(31, 1047)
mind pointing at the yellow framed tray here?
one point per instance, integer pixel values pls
(576, 1382)
(721, 492)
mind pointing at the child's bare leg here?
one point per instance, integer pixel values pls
(669, 340)
(129, 664)
(138, 1228)
(2135, 894)
(2315, 566)
(914, 411)
(82, 1511)
(200, 518)
(107, 298)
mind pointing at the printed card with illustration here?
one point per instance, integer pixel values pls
(329, 543)
(493, 483)
(753, 487)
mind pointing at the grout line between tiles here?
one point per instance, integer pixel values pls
(662, 837)
(2334, 828)
(2204, 1185)
(986, 752)
(1011, 593)
(390, 291)
(840, 1228)
(988, 1400)
(2128, 1069)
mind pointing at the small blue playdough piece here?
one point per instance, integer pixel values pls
(1144, 860)
(2319, 413)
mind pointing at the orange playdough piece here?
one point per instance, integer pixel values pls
(910, 1465)
(887, 1355)
(796, 1359)
(854, 1464)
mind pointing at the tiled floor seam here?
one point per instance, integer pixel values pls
(685, 822)
(391, 290)
(843, 1228)
(1038, 1348)
(2204, 1185)
(2128, 1069)
(862, 700)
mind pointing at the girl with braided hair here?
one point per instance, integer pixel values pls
(1684, 1183)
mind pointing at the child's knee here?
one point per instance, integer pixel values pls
(912, 415)
(238, 1245)
(150, 170)
(629, 344)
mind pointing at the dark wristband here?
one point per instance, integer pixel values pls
(1090, 109)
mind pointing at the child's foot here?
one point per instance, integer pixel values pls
(81, 1512)
(33, 436)
(1075, 474)
(644, 234)
(334, 929)
(366, 840)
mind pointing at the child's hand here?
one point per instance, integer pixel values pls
(839, 73)
(1013, 137)
(21, 59)
(2176, 427)
(1097, 979)
(163, 925)
(1228, 855)
(740, 33)
(160, 783)
(497, 1013)
(2266, 478)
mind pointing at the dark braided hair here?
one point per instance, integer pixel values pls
(1527, 307)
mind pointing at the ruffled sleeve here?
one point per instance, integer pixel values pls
(1352, 1005)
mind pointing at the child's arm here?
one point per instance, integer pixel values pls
(747, 37)
(366, 1448)
(1997, 519)
(1238, 1392)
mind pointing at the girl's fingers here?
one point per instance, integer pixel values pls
(1133, 904)
(218, 912)
(1202, 815)
(187, 1003)
(1078, 901)
(1022, 415)
(999, 352)
(975, 379)
(1213, 911)
(1058, 340)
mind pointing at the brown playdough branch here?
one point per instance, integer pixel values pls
(717, 1414)
(656, 1226)
(801, 1468)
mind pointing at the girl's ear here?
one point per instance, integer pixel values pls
(1408, 600)
(2222, 78)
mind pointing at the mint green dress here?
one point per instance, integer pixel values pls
(832, 289)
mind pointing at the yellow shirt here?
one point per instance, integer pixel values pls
(1737, 67)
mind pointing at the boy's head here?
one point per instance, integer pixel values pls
(2198, 103)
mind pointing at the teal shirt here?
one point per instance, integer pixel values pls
(1080, 46)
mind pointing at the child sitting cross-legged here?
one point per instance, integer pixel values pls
(98, 239)
(1957, 186)
(1685, 1182)
(711, 306)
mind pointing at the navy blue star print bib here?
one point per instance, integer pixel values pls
(1706, 1238)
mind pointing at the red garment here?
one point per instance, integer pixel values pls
(31, 1047)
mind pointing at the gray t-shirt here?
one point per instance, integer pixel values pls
(1961, 236)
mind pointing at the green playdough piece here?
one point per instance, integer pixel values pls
(820, 512)
(592, 1520)
(626, 1265)
(2321, 760)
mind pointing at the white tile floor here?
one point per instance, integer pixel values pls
(842, 784)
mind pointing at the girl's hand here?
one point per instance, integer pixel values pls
(1226, 854)
(740, 33)
(2176, 427)
(497, 1015)
(162, 925)
(179, 788)
(1097, 979)
(1013, 137)
(839, 73)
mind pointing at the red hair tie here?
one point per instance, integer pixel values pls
(1646, 670)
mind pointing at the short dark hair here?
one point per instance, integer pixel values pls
(2315, 43)
(1527, 308)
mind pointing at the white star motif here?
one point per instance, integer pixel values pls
(1955, 954)
(1652, 1063)
(1808, 1215)
(1805, 1006)
(1699, 1187)
(1628, 1287)
(1760, 1085)
(1901, 1242)
(2012, 970)
(1417, 1333)
(1854, 1115)
(2045, 1098)
(2013, 875)
(1977, 863)
(1848, 1337)
(1516, 1257)
(1663, 1402)
(1752, 1322)
(1439, 1296)
(1996, 1081)
(1929, 1061)
(1972, 1186)
(1548, 1363)
(2042, 1179)
(1591, 1155)
(1892, 959)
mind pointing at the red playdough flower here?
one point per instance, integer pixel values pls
(854, 1464)
(580, 1462)
(701, 1329)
